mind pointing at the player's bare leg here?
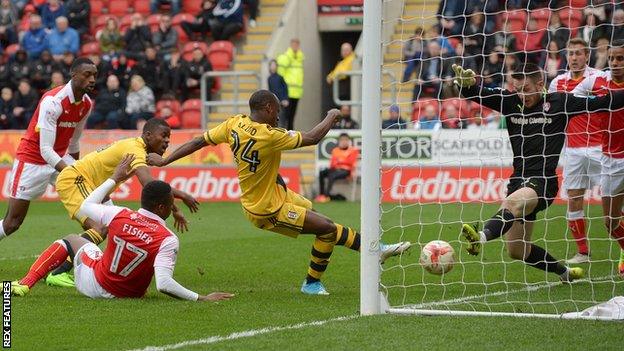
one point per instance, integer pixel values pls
(14, 217)
(49, 259)
(577, 225)
(329, 234)
(612, 210)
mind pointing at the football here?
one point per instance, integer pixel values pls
(437, 257)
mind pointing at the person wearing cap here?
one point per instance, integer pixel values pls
(394, 119)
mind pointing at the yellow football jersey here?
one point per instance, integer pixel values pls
(257, 150)
(99, 165)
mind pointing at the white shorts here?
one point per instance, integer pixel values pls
(582, 167)
(84, 275)
(30, 181)
(612, 180)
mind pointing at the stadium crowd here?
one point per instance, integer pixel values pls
(148, 53)
(490, 37)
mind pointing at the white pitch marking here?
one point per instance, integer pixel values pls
(504, 292)
(18, 257)
(243, 334)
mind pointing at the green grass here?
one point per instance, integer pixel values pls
(224, 252)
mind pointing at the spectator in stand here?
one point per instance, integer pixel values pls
(344, 65)
(509, 65)
(466, 61)
(56, 79)
(192, 72)
(202, 22)
(556, 31)
(9, 20)
(502, 41)
(7, 120)
(412, 53)
(616, 29)
(252, 6)
(599, 58)
(474, 36)
(489, 8)
(123, 69)
(593, 26)
(66, 62)
(149, 67)
(63, 39)
(35, 39)
(528, 44)
(41, 70)
(344, 158)
(171, 72)
(435, 33)
(140, 103)
(553, 62)
(228, 19)
(137, 37)
(19, 68)
(165, 38)
(111, 40)
(5, 74)
(20, 4)
(7, 37)
(435, 68)
(175, 5)
(451, 17)
(290, 66)
(50, 11)
(451, 119)
(78, 14)
(25, 102)
(104, 69)
(394, 120)
(278, 86)
(346, 122)
(109, 106)
(493, 70)
(429, 120)
(172, 119)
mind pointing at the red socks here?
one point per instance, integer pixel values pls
(618, 235)
(577, 228)
(49, 259)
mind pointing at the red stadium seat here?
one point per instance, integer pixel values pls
(96, 8)
(118, 7)
(92, 48)
(191, 6)
(174, 105)
(142, 7)
(220, 55)
(187, 49)
(541, 16)
(516, 18)
(191, 105)
(176, 22)
(191, 119)
(11, 49)
(571, 18)
(153, 21)
(421, 104)
(578, 3)
(464, 107)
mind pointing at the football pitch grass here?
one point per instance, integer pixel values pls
(223, 252)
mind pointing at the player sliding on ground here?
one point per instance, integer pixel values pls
(140, 246)
(536, 122)
(257, 145)
(75, 183)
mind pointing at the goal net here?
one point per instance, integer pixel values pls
(447, 160)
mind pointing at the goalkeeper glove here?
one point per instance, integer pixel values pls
(464, 77)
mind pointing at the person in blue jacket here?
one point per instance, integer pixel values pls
(228, 19)
(63, 39)
(35, 40)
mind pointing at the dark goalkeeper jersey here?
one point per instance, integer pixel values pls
(537, 134)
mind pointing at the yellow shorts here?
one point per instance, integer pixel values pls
(288, 220)
(73, 189)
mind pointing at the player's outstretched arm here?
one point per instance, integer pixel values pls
(312, 137)
(613, 100)
(186, 149)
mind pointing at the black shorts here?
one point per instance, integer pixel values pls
(545, 187)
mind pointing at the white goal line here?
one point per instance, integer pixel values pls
(528, 288)
(244, 334)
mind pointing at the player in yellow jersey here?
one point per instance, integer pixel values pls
(257, 145)
(76, 182)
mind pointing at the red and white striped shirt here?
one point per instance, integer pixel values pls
(58, 114)
(583, 130)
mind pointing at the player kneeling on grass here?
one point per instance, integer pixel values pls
(139, 247)
(536, 122)
(257, 145)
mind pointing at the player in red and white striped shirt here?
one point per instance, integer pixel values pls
(582, 153)
(140, 246)
(51, 142)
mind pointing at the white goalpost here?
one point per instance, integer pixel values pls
(420, 182)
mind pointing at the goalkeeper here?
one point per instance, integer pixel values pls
(536, 123)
